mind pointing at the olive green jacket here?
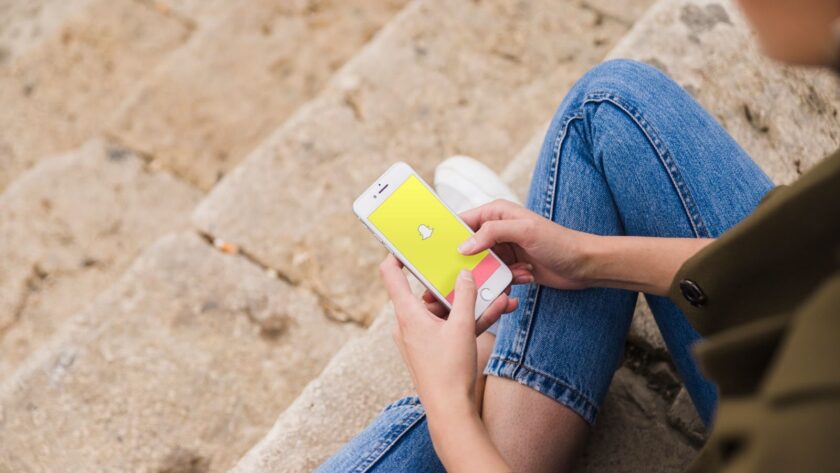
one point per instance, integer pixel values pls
(766, 297)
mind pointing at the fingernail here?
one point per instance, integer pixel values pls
(466, 246)
(465, 275)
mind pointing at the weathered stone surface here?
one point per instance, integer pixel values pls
(683, 416)
(197, 13)
(59, 93)
(24, 23)
(785, 118)
(213, 100)
(356, 385)
(643, 329)
(68, 227)
(186, 359)
(631, 434)
(625, 11)
(443, 78)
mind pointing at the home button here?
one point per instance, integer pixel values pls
(486, 294)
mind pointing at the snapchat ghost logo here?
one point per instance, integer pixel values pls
(425, 231)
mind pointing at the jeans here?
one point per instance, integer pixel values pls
(628, 152)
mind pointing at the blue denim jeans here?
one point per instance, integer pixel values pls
(628, 152)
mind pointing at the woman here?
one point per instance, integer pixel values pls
(637, 189)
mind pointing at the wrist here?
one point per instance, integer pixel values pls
(449, 428)
(590, 254)
(444, 414)
(461, 441)
(449, 405)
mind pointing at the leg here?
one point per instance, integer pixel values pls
(397, 440)
(628, 153)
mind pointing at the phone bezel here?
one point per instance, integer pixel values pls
(373, 196)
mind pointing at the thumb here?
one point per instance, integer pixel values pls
(463, 308)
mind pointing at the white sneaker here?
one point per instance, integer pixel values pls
(464, 183)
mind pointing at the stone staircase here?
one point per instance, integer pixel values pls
(138, 334)
(442, 78)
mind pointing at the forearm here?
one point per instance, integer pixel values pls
(644, 264)
(461, 440)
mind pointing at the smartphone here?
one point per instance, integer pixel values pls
(406, 215)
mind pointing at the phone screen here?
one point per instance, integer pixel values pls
(427, 234)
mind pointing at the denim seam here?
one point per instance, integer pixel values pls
(406, 401)
(591, 408)
(690, 206)
(523, 336)
(553, 378)
(385, 444)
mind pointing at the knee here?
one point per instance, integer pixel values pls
(624, 78)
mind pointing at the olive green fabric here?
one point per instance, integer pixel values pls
(769, 309)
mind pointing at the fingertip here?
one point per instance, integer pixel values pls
(523, 279)
(512, 304)
(464, 283)
(468, 246)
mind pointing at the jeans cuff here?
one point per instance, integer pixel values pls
(545, 384)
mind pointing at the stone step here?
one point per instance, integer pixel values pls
(196, 13)
(70, 226)
(631, 435)
(185, 361)
(239, 77)
(58, 94)
(360, 380)
(32, 281)
(442, 78)
(706, 46)
(23, 24)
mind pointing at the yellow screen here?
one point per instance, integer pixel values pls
(427, 234)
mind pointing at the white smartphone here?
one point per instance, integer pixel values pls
(406, 215)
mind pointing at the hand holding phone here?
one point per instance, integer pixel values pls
(404, 213)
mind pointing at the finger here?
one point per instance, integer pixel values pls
(463, 308)
(512, 304)
(491, 314)
(526, 278)
(498, 209)
(397, 285)
(522, 273)
(521, 265)
(428, 296)
(438, 309)
(496, 232)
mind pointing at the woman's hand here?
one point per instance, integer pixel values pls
(535, 248)
(441, 358)
(440, 353)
